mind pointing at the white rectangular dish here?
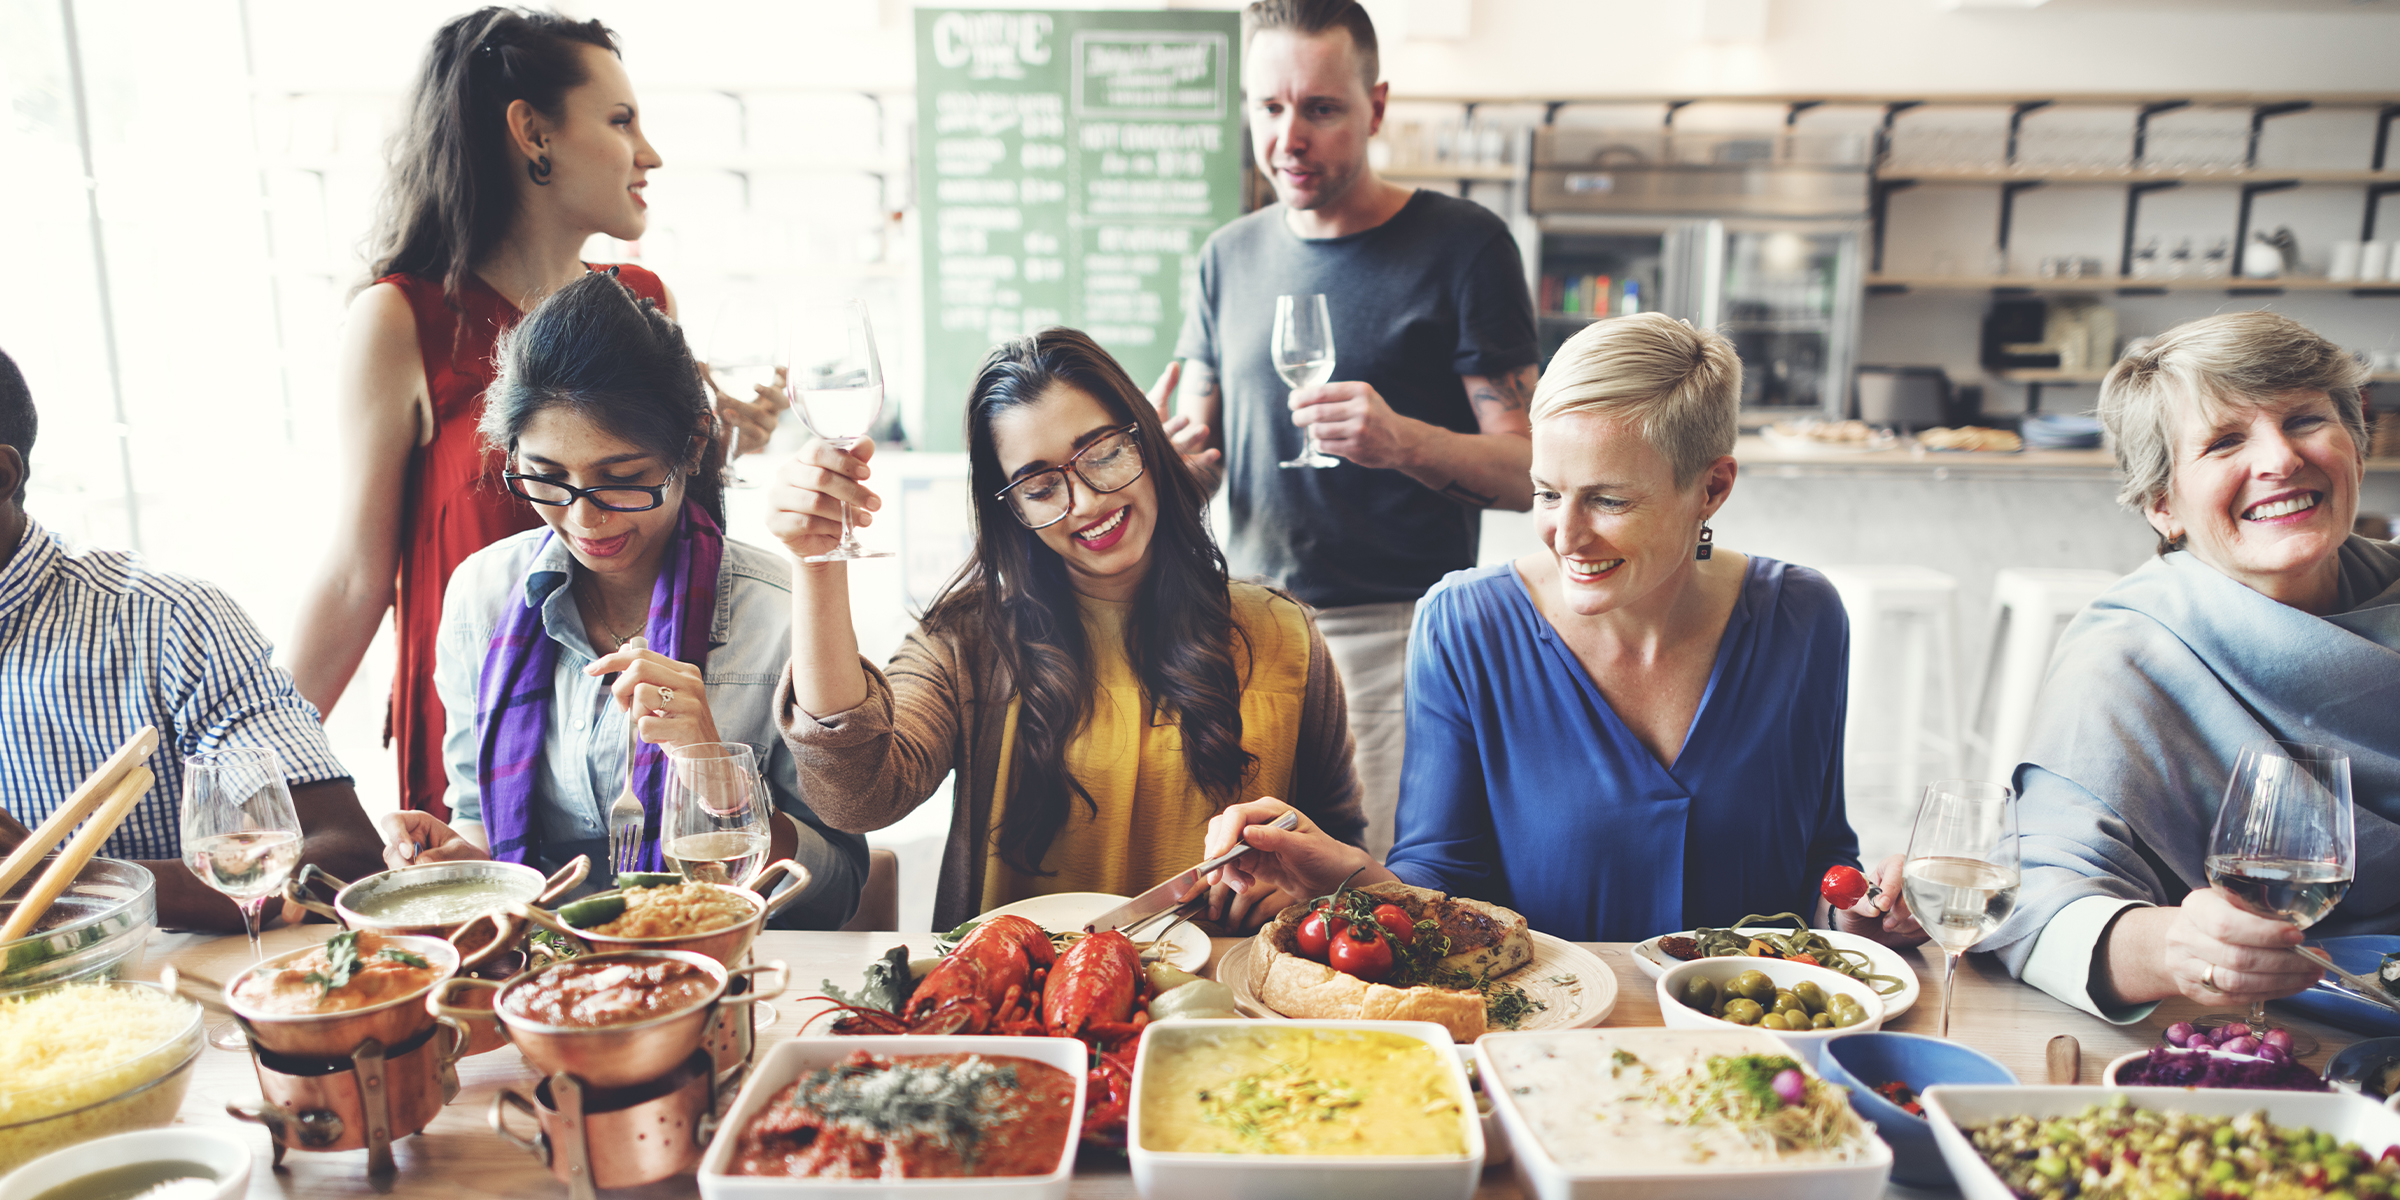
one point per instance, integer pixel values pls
(1175, 1175)
(790, 1060)
(1949, 1108)
(1641, 1173)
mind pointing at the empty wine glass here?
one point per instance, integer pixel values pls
(713, 824)
(837, 387)
(743, 339)
(241, 836)
(1303, 350)
(2285, 847)
(1961, 873)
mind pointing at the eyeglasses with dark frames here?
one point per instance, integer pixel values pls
(616, 497)
(1109, 464)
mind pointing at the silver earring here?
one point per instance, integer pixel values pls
(1707, 537)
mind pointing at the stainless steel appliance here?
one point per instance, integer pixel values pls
(1908, 397)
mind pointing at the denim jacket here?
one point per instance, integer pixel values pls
(583, 759)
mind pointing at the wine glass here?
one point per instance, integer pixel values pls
(713, 824)
(837, 386)
(241, 836)
(742, 341)
(1961, 873)
(1303, 349)
(2285, 846)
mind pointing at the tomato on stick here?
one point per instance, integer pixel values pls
(1844, 886)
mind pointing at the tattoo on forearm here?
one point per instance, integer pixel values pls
(1466, 495)
(1202, 378)
(1507, 393)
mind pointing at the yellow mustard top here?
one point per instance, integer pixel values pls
(1152, 820)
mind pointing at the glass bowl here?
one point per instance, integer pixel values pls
(97, 929)
(141, 1089)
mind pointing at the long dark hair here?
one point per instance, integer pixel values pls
(609, 356)
(450, 189)
(1015, 595)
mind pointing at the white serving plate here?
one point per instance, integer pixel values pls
(1654, 962)
(1948, 1107)
(1805, 1045)
(789, 1060)
(1543, 1177)
(2108, 1077)
(1164, 1175)
(1578, 987)
(1187, 946)
(225, 1154)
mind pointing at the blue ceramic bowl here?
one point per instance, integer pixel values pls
(1859, 1061)
(2362, 1062)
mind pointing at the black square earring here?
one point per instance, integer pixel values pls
(1707, 536)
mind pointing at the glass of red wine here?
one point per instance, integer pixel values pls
(2285, 847)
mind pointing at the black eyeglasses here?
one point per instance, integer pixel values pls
(615, 497)
(1044, 498)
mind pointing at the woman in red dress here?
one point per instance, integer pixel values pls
(522, 140)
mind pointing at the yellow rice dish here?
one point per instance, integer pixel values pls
(676, 911)
(74, 1049)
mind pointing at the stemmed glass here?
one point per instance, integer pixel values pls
(713, 823)
(742, 341)
(1962, 872)
(837, 386)
(2285, 846)
(1303, 349)
(241, 836)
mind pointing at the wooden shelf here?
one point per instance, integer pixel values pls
(2053, 377)
(2066, 175)
(2111, 283)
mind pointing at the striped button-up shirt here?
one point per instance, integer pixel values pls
(94, 645)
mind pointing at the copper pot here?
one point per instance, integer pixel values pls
(615, 1138)
(366, 1098)
(329, 1034)
(355, 904)
(727, 945)
(612, 1056)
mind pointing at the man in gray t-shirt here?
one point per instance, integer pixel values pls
(1435, 359)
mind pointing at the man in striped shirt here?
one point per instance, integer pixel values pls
(94, 645)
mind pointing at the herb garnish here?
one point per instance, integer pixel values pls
(341, 962)
(888, 987)
(949, 1103)
(404, 958)
(1265, 1107)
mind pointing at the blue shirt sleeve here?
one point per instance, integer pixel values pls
(1443, 826)
(216, 672)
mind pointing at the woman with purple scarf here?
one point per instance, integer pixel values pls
(607, 430)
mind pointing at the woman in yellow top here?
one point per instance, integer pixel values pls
(1099, 684)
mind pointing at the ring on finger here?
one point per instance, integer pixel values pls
(2208, 979)
(666, 695)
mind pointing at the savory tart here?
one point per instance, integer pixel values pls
(1486, 941)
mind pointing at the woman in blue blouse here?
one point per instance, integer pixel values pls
(1623, 734)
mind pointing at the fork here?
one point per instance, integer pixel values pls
(625, 816)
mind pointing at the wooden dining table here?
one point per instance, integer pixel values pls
(458, 1157)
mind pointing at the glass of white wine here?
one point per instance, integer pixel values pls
(837, 386)
(2285, 847)
(1962, 869)
(1303, 348)
(241, 836)
(713, 826)
(743, 341)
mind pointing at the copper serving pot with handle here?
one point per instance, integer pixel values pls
(381, 901)
(611, 1056)
(726, 944)
(327, 1034)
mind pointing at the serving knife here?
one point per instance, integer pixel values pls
(1171, 894)
(2358, 986)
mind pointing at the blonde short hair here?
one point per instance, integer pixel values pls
(2199, 368)
(1681, 387)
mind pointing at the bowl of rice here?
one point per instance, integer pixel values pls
(89, 1059)
(97, 929)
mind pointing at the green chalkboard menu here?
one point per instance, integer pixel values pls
(1069, 166)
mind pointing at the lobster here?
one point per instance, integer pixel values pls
(990, 983)
(1095, 994)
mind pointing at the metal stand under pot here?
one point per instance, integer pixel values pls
(619, 1137)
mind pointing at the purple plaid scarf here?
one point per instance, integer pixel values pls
(513, 695)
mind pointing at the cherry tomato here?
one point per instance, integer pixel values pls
(1396, 921)
(1362, 951)
(1317, 931)
(1844, 886)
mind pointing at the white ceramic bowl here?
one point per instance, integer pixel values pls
(790, 1060)
(1165, 1175)
(2349, 1118)
(225, 1155)
(1805, 1046)
(2108, 1077)
(1639, 1176)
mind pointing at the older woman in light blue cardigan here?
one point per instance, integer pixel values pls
(2242, 442)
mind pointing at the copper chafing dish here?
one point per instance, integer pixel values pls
(612, 1056)
(410, 899)
(331, 1034)
(727, 945)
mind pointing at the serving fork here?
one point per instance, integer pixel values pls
(626, 815)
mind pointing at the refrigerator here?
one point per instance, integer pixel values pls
(1760, 239)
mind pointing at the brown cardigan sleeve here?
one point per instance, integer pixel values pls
(1324, 775)
(866, 768)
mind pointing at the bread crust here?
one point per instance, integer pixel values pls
(1297, 986)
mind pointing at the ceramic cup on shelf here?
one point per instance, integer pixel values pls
(2374, 262)
(2348, 261)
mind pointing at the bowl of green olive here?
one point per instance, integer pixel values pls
(1804, 1006)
